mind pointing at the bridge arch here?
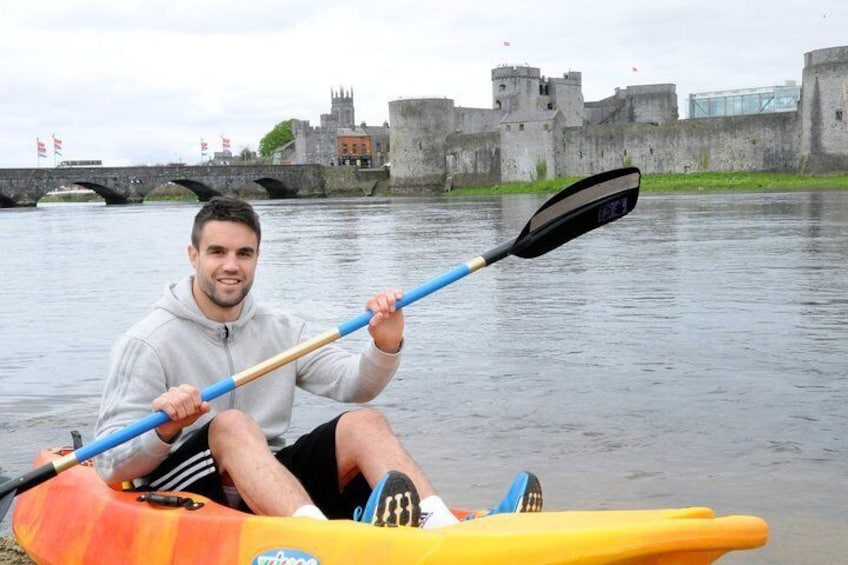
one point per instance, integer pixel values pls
(276, 188)
(204, 192)
(109, 195)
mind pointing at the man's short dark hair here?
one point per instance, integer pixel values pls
(225, 209)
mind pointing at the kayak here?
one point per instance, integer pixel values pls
(75, 518)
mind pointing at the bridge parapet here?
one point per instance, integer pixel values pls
(123, 185)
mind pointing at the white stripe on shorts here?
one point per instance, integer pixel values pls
(194, 468)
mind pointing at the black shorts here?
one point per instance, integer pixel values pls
(312, 459)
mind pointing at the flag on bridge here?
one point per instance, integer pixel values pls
(225, 143)
(204, 149)
(57, 146)
(42, 148)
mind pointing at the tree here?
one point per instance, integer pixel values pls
(277, 137)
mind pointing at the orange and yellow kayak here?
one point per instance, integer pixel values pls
(76, 519)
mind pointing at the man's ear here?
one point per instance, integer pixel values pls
(192, 255)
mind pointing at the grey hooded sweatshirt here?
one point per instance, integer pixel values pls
(176, 344)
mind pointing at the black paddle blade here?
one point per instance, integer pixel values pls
(7, 499)
(585, 205)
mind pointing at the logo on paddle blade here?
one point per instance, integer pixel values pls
(612, 210)
(285, 557)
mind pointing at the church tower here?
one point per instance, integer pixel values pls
(342, 108)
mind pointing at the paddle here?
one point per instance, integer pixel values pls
(6, 501)
(575, 210)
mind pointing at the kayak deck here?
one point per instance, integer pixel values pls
(76, 519)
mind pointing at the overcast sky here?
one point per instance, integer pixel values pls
(141, 82)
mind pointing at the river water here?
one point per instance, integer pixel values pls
(693, 353)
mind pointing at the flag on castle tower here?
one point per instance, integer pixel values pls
(634, 69)
(42, 148)
(506, 43)
(57, 146)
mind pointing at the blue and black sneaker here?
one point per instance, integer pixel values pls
(524, 495)
(393, 502)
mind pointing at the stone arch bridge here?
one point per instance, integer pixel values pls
(125, 185)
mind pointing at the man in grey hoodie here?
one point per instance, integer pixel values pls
(208, 326)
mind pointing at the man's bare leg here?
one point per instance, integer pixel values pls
(366, 444)
(241, 451)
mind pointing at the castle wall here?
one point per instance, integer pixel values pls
(313, 145)
(476, 120)
(353, 181)
(473, 159)
(528, 146)
(651, 103)
(764, 142)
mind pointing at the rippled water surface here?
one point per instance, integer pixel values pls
(692, 353)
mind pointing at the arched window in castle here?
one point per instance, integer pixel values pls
(520, 127)
(502, 87)
(497, 104)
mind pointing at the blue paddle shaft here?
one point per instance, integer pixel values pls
(409, 297)
(149, 422)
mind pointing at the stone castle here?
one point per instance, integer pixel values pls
(540, 127)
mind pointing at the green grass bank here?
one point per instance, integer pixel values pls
(685, 183)
(676, 183)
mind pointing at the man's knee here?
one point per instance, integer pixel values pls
(232, 423)
(364, 420)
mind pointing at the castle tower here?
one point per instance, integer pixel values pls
(515, 89)
(418, 143)
(523, 89)
(824, 111)
(566, 95)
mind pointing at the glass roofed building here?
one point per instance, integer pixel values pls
(746, 101)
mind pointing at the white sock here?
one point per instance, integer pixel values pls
(233, 496)
(309, 511)
(436, 514)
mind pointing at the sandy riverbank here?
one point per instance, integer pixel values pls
(12, 554)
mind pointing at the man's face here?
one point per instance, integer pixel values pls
(224, 263)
